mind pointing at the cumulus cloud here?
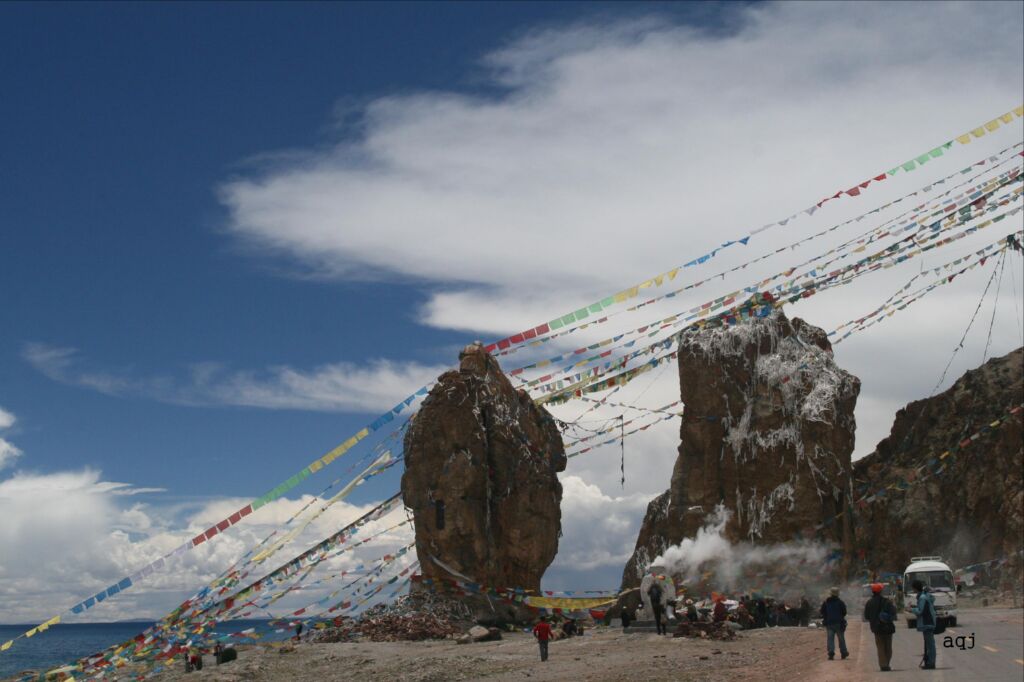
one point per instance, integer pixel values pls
(334, 387)
(67, 535)
(598, 534)
(8, 451)
(607, 152)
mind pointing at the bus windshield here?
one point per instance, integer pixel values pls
(933, 579)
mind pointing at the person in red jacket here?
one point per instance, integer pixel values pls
(542, 631)
(720, 613)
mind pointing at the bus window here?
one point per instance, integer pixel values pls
(933, 579)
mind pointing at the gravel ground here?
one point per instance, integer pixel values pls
(602, 654)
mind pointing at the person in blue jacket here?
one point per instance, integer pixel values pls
(833, 617)
(926, 618)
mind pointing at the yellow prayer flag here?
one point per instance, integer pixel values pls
(362, 434)
(31, 632)
(1019, 111)
(944, 455)
(978, 132)
(621, 296)
(964, 139)
(633, 291)
(316, 466)
(992, 125)
(672, 274)
(570, 603)
(6, 645)
(1007, 117)
(659, 279)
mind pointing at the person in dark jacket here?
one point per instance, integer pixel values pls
(626, 617)
(924, 609)
(833, 616)
(654, 592)
(880, 613)
(805, 612)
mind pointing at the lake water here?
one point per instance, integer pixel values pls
(66, 643)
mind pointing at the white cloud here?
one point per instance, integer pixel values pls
(8, 451)
(614, 151)
(68, 535)
(334, 387)
(618, 150)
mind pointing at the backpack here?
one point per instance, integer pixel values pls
(886, 618)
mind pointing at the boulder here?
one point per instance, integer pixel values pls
(967, 507)
(481, 479)
(768, 433)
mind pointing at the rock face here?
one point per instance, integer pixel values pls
(481, 463)
(971, 510)
(768, 433)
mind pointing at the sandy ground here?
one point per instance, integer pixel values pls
(601, 654)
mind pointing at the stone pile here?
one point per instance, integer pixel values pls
(409, 619)
(717, 631)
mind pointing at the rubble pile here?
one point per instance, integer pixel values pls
(717, 631)
(409, 619)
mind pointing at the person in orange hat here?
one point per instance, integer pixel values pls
(880, 613)
(720, 613)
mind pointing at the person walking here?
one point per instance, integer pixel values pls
(833, 616)
(654, 592)
(924, 609)
(880, 613)
(542, 631)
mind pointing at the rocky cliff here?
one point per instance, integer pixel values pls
(481, 463)
(768, 433)
(968, 506)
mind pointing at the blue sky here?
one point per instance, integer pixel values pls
(231, 234)
(121, 122)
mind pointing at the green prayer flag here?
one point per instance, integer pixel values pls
(581, 313)
(569, 319)
(595, 308)
(936, 153)
(555, 324)
(607, 302)
(909, 165)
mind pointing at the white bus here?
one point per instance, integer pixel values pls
(936, 576)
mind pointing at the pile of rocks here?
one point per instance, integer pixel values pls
(409, 619)
(719, 631)
(479, 633)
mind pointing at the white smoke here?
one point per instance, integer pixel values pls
(742, 565)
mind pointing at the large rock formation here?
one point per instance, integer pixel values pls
(967, 507)
(481, 463)
(768, 433)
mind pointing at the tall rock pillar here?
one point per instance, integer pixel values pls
(768, 433)
(481, 478)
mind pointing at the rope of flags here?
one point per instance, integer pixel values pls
(870, 236)
(590, 384)
(896, 254)
(626, 294)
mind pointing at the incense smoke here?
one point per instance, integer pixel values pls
(710, 550)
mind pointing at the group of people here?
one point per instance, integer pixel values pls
(880, 613)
